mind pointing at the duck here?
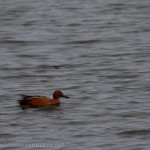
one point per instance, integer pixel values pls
(28, 101)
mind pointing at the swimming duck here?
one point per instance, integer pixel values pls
(40, 101)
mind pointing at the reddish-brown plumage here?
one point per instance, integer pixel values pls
(40, 101)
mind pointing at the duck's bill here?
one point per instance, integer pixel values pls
(65, 96)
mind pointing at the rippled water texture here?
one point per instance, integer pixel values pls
(97, 52)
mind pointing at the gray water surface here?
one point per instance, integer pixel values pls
(97, 52)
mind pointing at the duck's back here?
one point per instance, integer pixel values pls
(39, 101)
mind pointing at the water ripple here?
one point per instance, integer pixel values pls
(97, 52)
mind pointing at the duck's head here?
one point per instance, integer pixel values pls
(58, 94)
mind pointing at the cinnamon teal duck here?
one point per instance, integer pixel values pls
(40, 101)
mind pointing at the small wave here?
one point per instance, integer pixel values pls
(21, 42)
(84, 42)
(135, 132)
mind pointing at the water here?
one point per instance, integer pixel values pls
(97, 53)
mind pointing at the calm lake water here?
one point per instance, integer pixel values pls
(97, 52)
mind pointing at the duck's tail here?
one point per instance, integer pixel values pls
(23, 100)
(22, 103)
